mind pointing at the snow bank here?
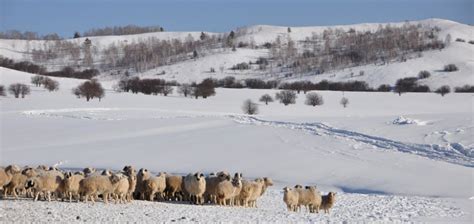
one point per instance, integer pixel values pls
(349, 208)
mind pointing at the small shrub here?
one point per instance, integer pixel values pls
(450, 68)
(460, 40)
(443, 90)
(344, 101)
(424, 74)
(471, 42)
(19, 89)
(90, 90)
(250, 107)
(241, 66)
(286, 97)
(384, 88)
(464, 89)
(266, 98)
(2, 90)
(50, 84)
(314, 99)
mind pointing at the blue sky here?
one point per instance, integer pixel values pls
(66, 16)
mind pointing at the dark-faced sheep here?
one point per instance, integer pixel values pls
(46, 184)
(328, 201)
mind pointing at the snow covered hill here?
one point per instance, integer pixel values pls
(386, 168)
(458, 53)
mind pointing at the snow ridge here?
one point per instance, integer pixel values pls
(452, 153)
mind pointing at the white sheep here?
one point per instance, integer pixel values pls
(290, 197)
(252, 190)
(309, 197)
(6, 175)
(154, 185)
(228, 190)
(121, 190)
(95, 185)
(71, 185)
(195, 186)
(211, 185)
(46, 184)
(17, 183)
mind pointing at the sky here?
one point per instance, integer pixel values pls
(67, 16)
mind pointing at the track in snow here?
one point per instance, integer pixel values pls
(452, 153)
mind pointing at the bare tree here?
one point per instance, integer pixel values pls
(89, 90)
(314, 99)
(286, 97)
(250, 107)
(206, 88)
(344, 102)
(19, 89)
(167, 89)
(443, 90)
(2, 90)
(50, 85)
(37, 80)
(185, 89)
(266, 98)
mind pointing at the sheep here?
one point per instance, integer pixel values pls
(45, 184)
(95, 185)
(195, 185)
(252, 190)
(121, 191)
(142, 175)
(228, 190)
(174, 187)
(88, 171)
(290, 197)
(132, 184)
(71, 185)
(17, 183)
(309, 197)
(328, 201)
(129, 171)
(6, 175)
(211, 185)
(154, 185)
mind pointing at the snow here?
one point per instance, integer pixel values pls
(382, 172)
(349, 208)
(403, 120)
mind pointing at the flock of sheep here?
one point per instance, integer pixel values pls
(126, 185)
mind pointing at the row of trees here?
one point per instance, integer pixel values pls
(203, 89)
(287, 97)
(28, 35)
(339, 48)
(67, 72)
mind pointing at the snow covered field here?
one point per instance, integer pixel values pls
(385, 168)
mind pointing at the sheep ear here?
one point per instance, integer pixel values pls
(241, 175)
(196, 174)
(201, 175)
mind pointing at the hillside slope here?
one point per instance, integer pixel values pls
(221, 60)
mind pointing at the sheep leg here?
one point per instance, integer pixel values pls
(48, 195)
(37, 195)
